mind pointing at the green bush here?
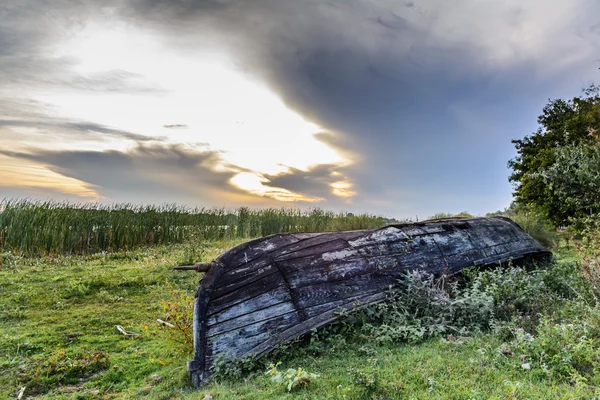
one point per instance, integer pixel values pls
(225, 369)
(564, 351)
(515, 291)
(177, 326)
(422, 306)
(291, 378)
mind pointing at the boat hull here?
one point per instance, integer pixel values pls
(274, 289)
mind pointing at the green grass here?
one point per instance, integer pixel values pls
(42, 228)
(58, 339)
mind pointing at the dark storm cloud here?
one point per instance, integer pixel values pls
(425, 110)
(154, 173)
(145, 174)
(313, 182)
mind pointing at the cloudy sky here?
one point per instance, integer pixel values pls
(400, 108)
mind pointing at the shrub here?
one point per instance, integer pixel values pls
(557, 350)
(422, 306)
(291, 378)
(179, 318)
(232, 370)
(588, 250)
(515, 291)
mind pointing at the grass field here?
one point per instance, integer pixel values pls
(58, 318)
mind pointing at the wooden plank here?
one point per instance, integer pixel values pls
(263, 285)
(246, 274)
(307, 235)
(251, 253)
(265, 314)
(235, 287)
(333, 271)
(330, 246)
(384, 235)
(227, 257)
(465, 259)
(413, 231)
(198, 366)
(245, 306)
(419, 250)
(385, 264)
(306, 326)
(308, 296)
(234, 345)
(435, 227)
(348, 303)
(240, 342)
(300, 276)
(316, 241)
(453, 242)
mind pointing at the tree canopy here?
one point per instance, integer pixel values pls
(547, 173)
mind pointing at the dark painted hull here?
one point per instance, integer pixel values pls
(271, 290)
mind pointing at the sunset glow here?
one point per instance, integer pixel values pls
(198, 100)
(34, 176)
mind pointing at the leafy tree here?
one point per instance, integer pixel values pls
(574, 179)
(563, 123)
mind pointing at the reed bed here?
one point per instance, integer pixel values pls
(31, 227)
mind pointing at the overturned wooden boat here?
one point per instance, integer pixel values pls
(271, 290)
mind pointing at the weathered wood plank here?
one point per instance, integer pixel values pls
(385, 235)
(299, 276)
(419, 250)
(239, 343)
(453, 242)
(306, 326)
(261, 286)
(240, 273)
(308, 296)
(263, 269)
(264, 314)
(259, 249)
(348, 303)
(307, 235)
(321, 240)
(246, 306)
(330, 246)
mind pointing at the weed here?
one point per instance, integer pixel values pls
(422, 306)
(179, 318)
(62, 367)
(228, 369)
(367, 378)
(291, 378)
(557, 350)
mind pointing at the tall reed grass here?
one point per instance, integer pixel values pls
(32, 227)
